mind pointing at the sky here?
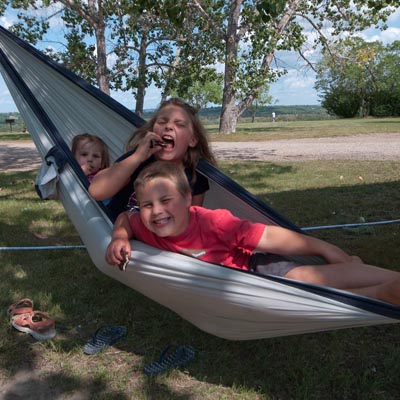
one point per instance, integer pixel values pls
(294, 88)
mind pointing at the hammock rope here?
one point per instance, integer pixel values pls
(27, 248)
(357, 225)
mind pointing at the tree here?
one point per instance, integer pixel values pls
(251, 32)
(360, 78)
(200, 90)
(385, 101)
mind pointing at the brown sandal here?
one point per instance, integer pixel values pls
(23, 306)
(37, 323)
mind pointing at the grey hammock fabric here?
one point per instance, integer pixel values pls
(231, 304)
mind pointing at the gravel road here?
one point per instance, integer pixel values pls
(22, 156)
(360, 147)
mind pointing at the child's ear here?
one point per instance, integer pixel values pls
(193, 141)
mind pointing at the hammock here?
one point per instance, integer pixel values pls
(232, 304)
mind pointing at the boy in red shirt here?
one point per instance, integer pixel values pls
(169, 222)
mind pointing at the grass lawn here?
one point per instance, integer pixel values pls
(262, 131)
(359, 363)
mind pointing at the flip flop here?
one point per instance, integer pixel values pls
(23, 306)
(103, 338)
(36, 323)
(170, 360)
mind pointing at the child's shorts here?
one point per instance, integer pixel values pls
(271, 264)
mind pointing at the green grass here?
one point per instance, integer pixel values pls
(262, 131)
(348, 364)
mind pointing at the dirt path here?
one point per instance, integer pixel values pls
(359, 147)
(22, 156)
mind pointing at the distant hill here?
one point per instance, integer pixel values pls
(307, 112)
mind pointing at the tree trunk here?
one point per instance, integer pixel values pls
(229, 112)
(228, 119)
(94, 16)
(142, 71)
(101, 67)
(101, 70)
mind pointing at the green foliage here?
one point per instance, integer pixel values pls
(357, 74)
(199, 90)
(270, 9)
(342, 102)
(78, 57)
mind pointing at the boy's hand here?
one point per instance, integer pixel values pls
(122, 265)
(118, 252)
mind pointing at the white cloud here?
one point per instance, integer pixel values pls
(394, 19)
(388, 36)
(295, 88)
(6, 22)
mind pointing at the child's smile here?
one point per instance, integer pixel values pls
(163, 209)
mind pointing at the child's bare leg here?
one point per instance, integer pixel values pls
(343, 276)
(388, 292)
(366, 280)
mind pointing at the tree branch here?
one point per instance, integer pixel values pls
(210, 21)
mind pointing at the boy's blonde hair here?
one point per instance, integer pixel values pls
(202, 149)
(88, 138)
(164, 169)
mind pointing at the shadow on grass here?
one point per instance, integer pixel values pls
(18, 185)
(30, 385)
(355, 363)
(383, 120)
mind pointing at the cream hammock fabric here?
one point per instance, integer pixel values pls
(236, 305)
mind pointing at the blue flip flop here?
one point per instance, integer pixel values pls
(170, 360)
(103, 338)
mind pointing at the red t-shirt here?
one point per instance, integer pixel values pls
(215, 236)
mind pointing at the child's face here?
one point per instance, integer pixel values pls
(175, 128)
(89, 157)
(163, 209)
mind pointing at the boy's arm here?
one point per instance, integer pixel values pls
(278, 240)
(120, 245)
